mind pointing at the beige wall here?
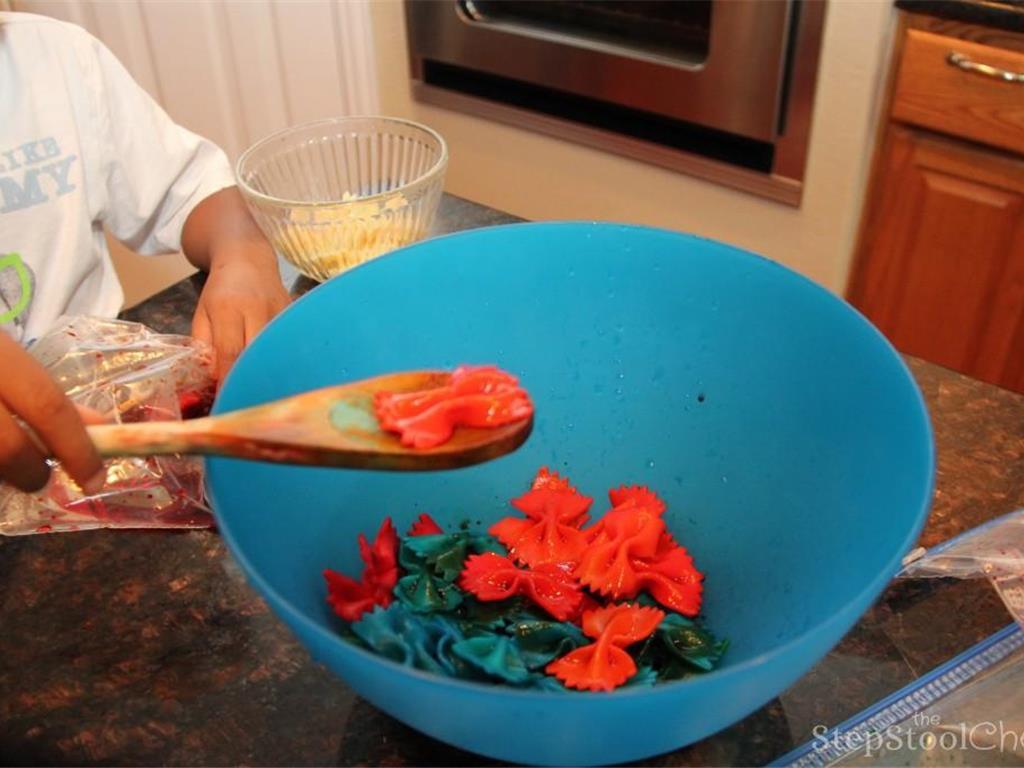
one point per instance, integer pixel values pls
(538, 177)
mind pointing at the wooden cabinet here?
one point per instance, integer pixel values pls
(940, 263)
(943, 85)
(945, 277)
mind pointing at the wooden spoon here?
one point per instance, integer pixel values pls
(330, 427)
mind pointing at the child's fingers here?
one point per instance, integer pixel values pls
(228, 339)
(203, 331)
(91, 415)
(21, 463)
(255, 320)
(30, 393)
(201, 326)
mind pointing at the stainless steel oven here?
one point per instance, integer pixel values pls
(718, 73)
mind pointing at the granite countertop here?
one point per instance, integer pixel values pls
(148, 648)
(998, 14)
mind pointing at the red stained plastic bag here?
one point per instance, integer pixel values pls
(128, 373)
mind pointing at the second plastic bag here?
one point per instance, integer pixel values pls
(993, 551)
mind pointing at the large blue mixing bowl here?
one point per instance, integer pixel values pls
(788, 438)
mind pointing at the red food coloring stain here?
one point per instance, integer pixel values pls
(196, 403)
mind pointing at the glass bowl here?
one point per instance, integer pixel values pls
(332, 194)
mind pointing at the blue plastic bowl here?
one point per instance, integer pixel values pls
(788, 438)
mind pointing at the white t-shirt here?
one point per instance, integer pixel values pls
(82, 145)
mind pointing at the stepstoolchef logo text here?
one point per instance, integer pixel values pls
(924, 733)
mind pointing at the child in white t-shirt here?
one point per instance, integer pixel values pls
(83, 147)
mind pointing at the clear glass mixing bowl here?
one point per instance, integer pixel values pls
(331, 194)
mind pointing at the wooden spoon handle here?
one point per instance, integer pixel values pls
(222, 436)
(154, 438)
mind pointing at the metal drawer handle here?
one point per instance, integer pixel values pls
(961, 61)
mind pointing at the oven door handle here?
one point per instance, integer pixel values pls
(470, 11)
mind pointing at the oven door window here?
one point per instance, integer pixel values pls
(662, 29)
(719, 64)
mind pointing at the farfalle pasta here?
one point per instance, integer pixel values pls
(552, 531)
(540, 601)
(480, 396)
(604, 664)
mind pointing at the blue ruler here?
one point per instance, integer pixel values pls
(906, 702)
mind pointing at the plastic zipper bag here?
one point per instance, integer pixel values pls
(128, 373)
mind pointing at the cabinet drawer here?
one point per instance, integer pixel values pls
(982, 99)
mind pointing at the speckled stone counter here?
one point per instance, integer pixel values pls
(148, 648)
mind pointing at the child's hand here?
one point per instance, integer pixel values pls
(241, 296)
(28, 392)
(243, 290)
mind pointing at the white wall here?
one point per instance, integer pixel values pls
(233, 71)
(539, 177)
